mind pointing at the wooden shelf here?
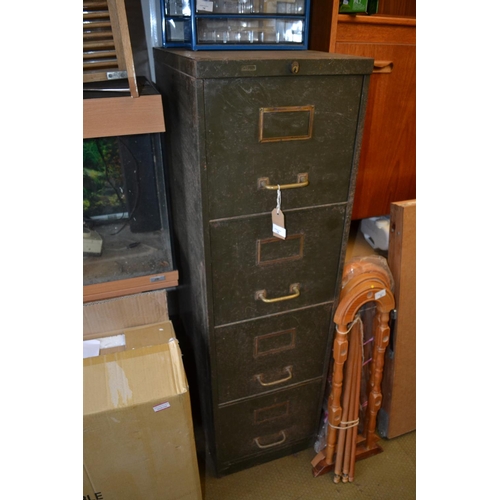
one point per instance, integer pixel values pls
(130, 286)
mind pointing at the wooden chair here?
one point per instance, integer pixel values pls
(364, 281)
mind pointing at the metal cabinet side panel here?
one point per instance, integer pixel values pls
(183, 106)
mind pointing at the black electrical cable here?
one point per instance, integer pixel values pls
(106, 170)
(137, 178)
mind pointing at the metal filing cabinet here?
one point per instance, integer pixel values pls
(238, 124)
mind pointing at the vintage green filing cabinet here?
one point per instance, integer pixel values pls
(257, 308)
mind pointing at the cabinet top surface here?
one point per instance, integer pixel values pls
(243, 63)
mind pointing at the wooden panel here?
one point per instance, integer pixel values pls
(398, 7)
(399, 385)
(266, 347)
(114, 116)
(130, 286)
(375, 29)
(387, 167)
(323, 25)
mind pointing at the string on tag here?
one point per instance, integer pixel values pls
(278, 201)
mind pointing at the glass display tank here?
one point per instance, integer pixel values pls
(126, 228)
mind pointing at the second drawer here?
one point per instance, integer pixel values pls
(248, 262)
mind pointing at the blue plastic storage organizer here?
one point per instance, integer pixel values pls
(235, 24)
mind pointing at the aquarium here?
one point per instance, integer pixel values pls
(126, 229)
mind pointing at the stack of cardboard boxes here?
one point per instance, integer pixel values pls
(138, 440)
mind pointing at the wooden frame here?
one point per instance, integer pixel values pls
(118, 58)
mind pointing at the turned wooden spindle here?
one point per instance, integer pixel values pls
(354, 353)
(356, 414)
(346, 394)
(381, 341)
(340, 348)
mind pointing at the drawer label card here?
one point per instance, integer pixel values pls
(204, 6)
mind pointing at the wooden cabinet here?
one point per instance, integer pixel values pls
(387, 167)
(258, 309)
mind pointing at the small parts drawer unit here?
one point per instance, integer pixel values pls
(235, 24)
(262, 152)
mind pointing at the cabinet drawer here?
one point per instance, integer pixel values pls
(247, 259)
(277, 128)
(271, 353)
(269, 422)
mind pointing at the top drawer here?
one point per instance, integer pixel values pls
(279, 130)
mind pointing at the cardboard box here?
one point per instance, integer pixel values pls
(358, 6)
(138, 439)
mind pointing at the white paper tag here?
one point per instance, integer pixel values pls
(280, 231)
(204, 6)
(380, 294)
(163, 406)
(278, 220)
(91, 348)
(114, 341)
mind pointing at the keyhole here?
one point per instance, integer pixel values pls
(294, 67)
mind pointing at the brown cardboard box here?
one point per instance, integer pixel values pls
(138, 440)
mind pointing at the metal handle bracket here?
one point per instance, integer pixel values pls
(302, 181)
(295, 289)
(287, 369)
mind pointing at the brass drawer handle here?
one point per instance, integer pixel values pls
(261, 295)
(302, 181)
(383, 66)
(263, 446)
(288, 369)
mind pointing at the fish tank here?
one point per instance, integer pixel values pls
(126, 224)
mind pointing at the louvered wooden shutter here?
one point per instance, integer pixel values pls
(107, 51)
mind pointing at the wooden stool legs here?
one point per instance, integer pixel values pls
(368, 283)
(382, 333)
(334, 409)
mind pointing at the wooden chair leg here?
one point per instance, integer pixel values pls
(356, 361)
(340, 349)
(347, 389)
(381, 341)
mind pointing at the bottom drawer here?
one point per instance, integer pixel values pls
(267, 423)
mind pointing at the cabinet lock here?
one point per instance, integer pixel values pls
(294, 67)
